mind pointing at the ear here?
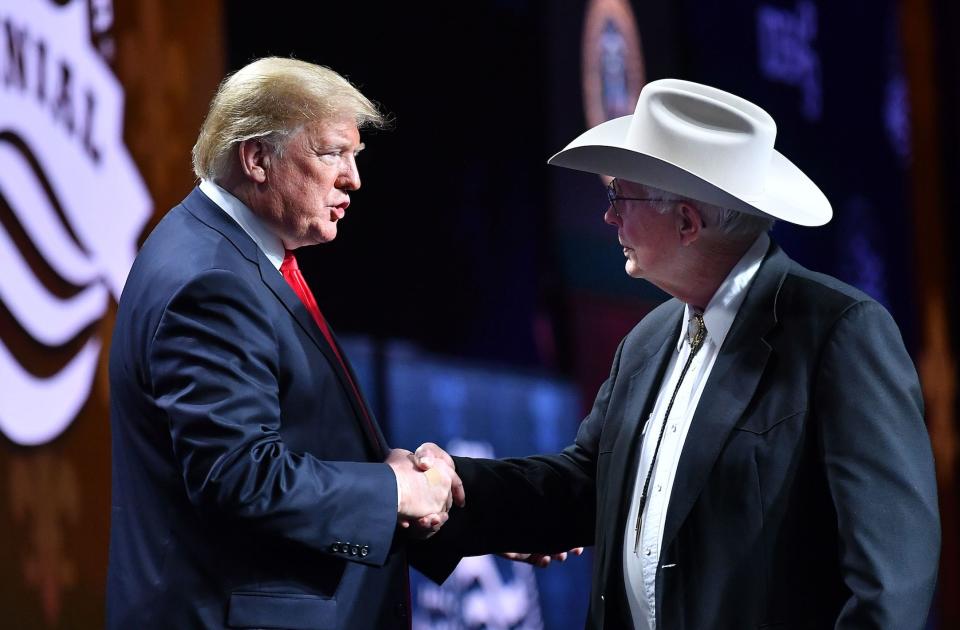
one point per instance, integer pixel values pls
(689, 223)
(254, 160)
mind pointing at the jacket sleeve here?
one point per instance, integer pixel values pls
(537, 504)
(214, 365)
(879, 468)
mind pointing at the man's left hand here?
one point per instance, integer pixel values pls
(542, 560)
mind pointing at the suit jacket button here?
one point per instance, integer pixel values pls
(364, 551)
(354, 550)
(345, 547)
(335, 547)
(400, 610)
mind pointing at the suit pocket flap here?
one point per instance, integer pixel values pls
(295, 611)
(762, 423)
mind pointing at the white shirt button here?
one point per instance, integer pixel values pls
(647, 552)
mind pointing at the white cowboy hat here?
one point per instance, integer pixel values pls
(702, 143)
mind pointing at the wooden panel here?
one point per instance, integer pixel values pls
(935, 270)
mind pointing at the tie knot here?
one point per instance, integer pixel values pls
(289, 262)
(696, 331)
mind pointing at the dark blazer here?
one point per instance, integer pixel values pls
(246, 485)
(805, 493)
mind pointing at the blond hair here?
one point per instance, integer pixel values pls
(270, 99)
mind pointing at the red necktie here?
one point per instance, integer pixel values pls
(292, 274)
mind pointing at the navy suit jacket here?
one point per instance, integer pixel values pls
(247, 490)
(804, 496)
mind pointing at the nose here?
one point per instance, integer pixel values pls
(611, 216)
(350, 175)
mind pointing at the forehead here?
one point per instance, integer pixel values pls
(634, 189)
(334, 134)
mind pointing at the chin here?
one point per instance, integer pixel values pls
(316, 237)
(324, 232)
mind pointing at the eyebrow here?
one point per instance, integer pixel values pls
(339, 147)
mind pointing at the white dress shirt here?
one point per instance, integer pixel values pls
(268, 242)
(640, 568)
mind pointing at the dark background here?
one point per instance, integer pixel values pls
(448, 239)
(466, 243)
(463, 240)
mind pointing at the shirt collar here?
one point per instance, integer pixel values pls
(723, 306)
(268, 242)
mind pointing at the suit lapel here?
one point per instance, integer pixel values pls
(378, 436)
(641, 393)
(279, 287)
(209, 213)
(732, 383)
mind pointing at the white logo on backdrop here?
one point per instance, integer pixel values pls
(785, 47)
(73, 195)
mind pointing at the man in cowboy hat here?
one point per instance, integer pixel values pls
(758, 456)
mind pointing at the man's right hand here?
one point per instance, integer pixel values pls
(425, 495)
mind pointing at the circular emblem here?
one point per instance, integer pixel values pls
(613, 71)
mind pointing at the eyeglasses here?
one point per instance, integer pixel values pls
(613, 198)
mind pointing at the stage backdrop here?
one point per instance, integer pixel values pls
(99, 106)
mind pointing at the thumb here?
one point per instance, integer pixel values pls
(423, 463)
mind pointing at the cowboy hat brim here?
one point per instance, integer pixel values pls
(787, 193)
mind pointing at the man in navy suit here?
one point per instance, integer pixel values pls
(252, 486)
(757, 457)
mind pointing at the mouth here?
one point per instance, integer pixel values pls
(338, 211)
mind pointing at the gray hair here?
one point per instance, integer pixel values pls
(271, 99)
(726, 221)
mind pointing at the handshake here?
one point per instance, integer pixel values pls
(427, 487)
